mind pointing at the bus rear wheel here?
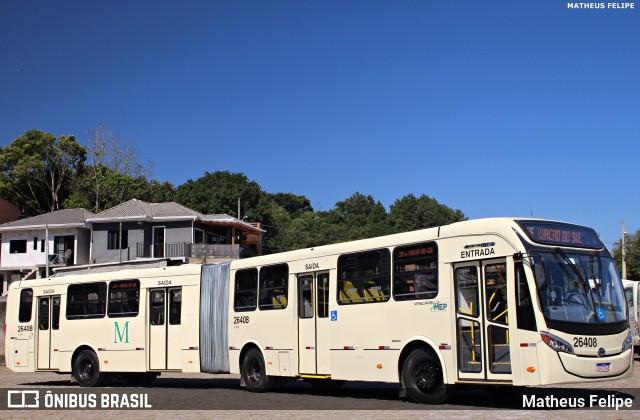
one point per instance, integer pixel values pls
(423, 379)
(254, 372)
(86, 370)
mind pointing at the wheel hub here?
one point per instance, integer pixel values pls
(427, 376)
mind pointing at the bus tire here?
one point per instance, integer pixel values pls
(254, 372)
(423, 379)
(86, 369)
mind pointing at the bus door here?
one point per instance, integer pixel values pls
(482, 321)
(48, 332)
(313, 323)
(165, 341)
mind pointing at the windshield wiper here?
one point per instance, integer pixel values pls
(581, 278)
(573, 267)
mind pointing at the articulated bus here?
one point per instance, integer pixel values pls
(496, 302)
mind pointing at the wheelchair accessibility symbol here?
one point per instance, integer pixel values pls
(334, 315)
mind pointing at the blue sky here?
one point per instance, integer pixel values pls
(497, 108)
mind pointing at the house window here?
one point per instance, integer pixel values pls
(113, 239)
(42, 245)
(35, 244)
(18, 246)
(198, 237)
(212, 239)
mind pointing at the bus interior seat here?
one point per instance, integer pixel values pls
(373, 292)
(344, 298)
(351, 292)
(279, 299)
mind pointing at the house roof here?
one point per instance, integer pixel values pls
(141, 210)
(138, 210)
(60, 218)
(226, 220)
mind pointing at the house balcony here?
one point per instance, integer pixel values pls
(163, 250)
(187, 250)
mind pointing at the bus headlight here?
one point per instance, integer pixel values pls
(626, 344)
(556, 343)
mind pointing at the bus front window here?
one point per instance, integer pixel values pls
(578, 287)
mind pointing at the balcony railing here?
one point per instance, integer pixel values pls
(163, 250)
(184, 249)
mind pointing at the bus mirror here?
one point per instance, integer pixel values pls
(517, 257)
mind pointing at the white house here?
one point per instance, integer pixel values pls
(60, 238)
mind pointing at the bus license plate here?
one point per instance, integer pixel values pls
(603, 367)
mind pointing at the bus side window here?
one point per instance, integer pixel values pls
(364, 277)
(415, 273)
(86, 300)
(245, 290)
(274, 287)
(26, 302)
(124, 298)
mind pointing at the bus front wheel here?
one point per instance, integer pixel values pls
(254, 372)
(423, 379)
(86, 369)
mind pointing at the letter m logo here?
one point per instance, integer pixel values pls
(118, 335)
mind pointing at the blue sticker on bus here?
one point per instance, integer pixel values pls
(601, 314)
(334, 315)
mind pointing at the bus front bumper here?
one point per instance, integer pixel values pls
(597, 367)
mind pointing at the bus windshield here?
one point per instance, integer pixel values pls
(578, 287)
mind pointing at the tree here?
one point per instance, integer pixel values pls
(292, 204)
(156, 192)
(218, 192)
(359, 217)
(114, 173)
(632, 258)
(411, 213)
(37, 168)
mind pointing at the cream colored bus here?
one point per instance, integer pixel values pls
(134, 324)
(499, 302)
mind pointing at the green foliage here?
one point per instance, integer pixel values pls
(632, 258)
(411, 213)
(36, 170)
(292, 204)
(218, 192)
(156, 192)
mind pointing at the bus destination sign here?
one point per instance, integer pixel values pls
(561, 234)
(415, 251)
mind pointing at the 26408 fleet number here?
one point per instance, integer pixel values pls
(585, 342)
(240, 320)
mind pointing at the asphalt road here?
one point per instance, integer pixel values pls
(220, 396)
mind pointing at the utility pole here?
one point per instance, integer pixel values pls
(239, 208)
(624, 252)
